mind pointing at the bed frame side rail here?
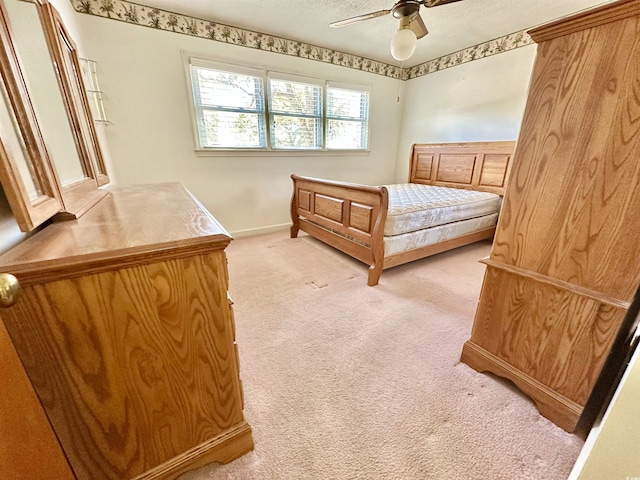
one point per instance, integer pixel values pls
(347, 216)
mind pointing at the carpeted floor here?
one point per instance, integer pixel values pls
(345, 381)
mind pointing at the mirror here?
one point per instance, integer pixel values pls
(31, 45)
(15, 148)
(24, 167)
(61, 156)
(76, 91)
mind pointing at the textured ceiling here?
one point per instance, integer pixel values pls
(451, 27)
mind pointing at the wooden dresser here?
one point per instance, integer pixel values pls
(565, 262)
(126, 331)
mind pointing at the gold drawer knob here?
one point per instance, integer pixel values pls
(9, 289)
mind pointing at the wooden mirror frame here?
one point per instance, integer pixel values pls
(28, 213)
(59, 201)
(63, 47)
(80, 196)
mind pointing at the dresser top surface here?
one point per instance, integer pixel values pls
(131, 221)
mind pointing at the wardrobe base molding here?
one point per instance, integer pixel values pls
(560, 410)
(224, 448)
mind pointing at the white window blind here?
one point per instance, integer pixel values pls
(237, 107)
(347, 118)
(295, 113)
(229, 108)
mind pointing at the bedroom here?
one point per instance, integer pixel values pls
(151, 121)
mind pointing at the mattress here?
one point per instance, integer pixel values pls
(414, 207)
(440, 233)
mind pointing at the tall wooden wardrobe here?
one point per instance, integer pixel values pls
(565, 262)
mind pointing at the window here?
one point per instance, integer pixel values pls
(295, 114)
(347, 117)
(245, 108)
(229, 108)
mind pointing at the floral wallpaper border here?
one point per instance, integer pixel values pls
(476, 52)
(138, 14)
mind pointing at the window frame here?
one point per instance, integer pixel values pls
(321, 105)
(266, 74)
(197, 118)
(348, 87)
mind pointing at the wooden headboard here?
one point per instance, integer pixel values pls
(480, 166)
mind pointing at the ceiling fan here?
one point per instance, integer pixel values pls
(403, 43)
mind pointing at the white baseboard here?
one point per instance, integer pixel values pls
(250, 232)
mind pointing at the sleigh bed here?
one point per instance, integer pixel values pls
(452, 199)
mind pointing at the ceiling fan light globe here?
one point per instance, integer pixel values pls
(403, 44)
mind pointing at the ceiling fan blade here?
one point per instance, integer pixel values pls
(437, 3)
(418, 27)
(359, 18)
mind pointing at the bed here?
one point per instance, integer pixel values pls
(452, 199)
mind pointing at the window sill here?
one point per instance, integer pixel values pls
(236, 152)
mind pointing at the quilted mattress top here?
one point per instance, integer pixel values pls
(414, 206)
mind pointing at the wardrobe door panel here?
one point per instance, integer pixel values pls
(578, 146)
(564, 266)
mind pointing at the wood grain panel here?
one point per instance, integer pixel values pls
(304, 200)
(559, 338)
(133, 366)
(571, 287)
(578, 146)
(361, 217)
(329, 207)
(29, 449)
(356, 250)
(423, 166)
(462, 165)
(344, 194)
(456, 168)
(494, 170)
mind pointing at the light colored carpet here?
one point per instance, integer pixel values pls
(345, 381)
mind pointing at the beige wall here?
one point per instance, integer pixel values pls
(611, 449)
(476, 101)
(142, 73)
(73, 23)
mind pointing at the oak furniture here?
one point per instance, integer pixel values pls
(24, 427)
(126, 330)
(353, 218)
(123, 325)
(564, 265)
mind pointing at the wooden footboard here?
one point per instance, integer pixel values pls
(348, 216)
